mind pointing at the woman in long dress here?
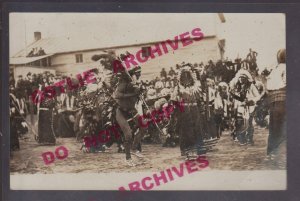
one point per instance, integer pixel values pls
(46, 135)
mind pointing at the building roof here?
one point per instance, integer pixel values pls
(26, 60)
(122, 36)
(61, 45)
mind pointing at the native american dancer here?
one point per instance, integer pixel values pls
(246, 95)
(127, 96)
(98, 108)
(190, 122)
(46, 133)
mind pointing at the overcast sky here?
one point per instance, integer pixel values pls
(264, 33)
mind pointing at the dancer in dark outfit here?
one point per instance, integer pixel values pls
(190, 122)
(46, 133)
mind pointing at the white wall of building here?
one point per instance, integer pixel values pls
(23, 70)
(199, 51)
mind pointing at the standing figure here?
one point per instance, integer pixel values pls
(21, 94)
(237, 64)
(246, 95)
(159, 85)
(127, 95)
(70, 95)
(190, 122)
(262, 110)
(46, 134)
(172, 73)
(210, 128)
(276, 86)
(251, 58)
(105, 104)
(15, 116)
(220, 107)
(163, 73)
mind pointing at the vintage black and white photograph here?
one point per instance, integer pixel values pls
(147, 101)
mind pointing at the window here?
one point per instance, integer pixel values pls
(78, 58)
(146, 51)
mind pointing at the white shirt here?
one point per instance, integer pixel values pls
(211, 93)
(252, 94)
(159, 85)
(277, 78)
(165, 91)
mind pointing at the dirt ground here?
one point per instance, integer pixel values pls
(226, 155)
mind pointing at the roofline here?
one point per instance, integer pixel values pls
(26, 47)
(121, 46)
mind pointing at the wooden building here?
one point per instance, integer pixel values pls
(71, 56)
